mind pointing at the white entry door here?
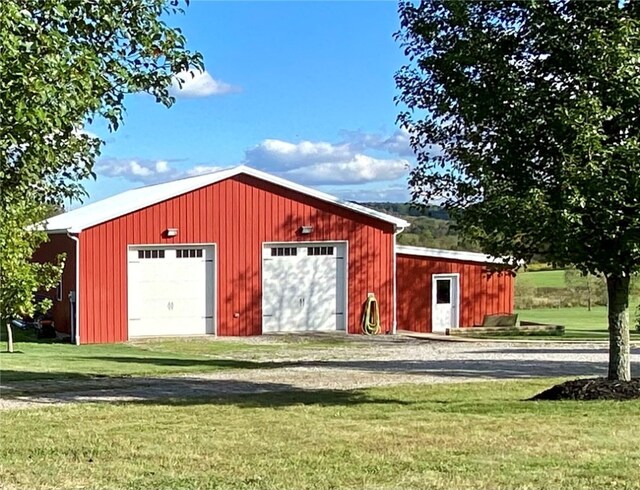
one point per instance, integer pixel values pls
(303, 287)
(445, 304)
(171, 290)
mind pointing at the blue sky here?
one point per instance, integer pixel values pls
(300, 89)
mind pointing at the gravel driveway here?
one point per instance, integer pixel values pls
(363, 363)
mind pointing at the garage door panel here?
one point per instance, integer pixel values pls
(321, 277)
(281, 302)
(173, 293)
(305, 290)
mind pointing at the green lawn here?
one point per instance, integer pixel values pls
(542, 279)
(575, 319)
(463, 436)
(50, 360)
(579, 322)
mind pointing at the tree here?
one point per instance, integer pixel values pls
(524, 119)
(589, 287)
(19, 277)
(63, 63)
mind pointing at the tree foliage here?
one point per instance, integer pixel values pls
(63, 63)
(524, 118)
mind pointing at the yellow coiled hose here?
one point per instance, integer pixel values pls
(371, 316)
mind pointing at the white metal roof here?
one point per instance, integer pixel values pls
(437, 253)
(129, 201)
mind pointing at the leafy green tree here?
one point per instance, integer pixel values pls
(63, 63)
(19, 278)
(524, 118)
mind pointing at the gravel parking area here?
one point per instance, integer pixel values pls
(363, 363)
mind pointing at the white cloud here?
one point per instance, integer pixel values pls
(146, 171)
(395, 193)
(360, 158)
(199, 84)
(130, 169)
(396, 144)
(358, 170)
(162, 166)
(321, 163)
(201, 169)
(282, 154)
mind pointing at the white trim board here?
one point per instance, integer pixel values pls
(133, 200)
(437, 253)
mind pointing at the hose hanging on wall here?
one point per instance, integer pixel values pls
(371, 316)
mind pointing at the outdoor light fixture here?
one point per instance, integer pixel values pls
(171, 232)
(305, 230)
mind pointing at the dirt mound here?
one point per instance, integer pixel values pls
(592, 389)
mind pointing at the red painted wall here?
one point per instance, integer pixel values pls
(481, 293)
(237, 214)
(47, 252)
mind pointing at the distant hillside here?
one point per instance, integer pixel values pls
(430, 227)
(407, 210)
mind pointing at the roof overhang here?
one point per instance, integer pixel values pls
(462, 256)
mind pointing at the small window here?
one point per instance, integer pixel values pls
(443, 291)
(186, 253)
(151, 254)
(320, 251)
(284, 251)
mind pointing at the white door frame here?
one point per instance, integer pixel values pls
(455, 276)
(345, 289)
(166, 246)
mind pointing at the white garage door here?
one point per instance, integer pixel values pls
(303, 287)
(171, 290)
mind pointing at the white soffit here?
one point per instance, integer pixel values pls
(133, 200)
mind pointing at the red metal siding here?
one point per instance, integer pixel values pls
(238, 215)
(47, 252)
(481, 293)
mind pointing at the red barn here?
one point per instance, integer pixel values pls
(235, 252)
(241, 252)
(443, 289)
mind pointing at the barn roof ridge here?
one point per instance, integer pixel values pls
(129, 201)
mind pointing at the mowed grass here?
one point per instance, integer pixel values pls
(463, 436)
(46, 360)
(542, 279)
(579, 322)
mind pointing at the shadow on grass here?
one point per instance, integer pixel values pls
(185, 391)
(452, 368)
(280, 399)
(554, 350)
(28, 336)
(480, 368)
(181, 362)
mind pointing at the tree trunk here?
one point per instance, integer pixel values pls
(9, 338)
(619, 351)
